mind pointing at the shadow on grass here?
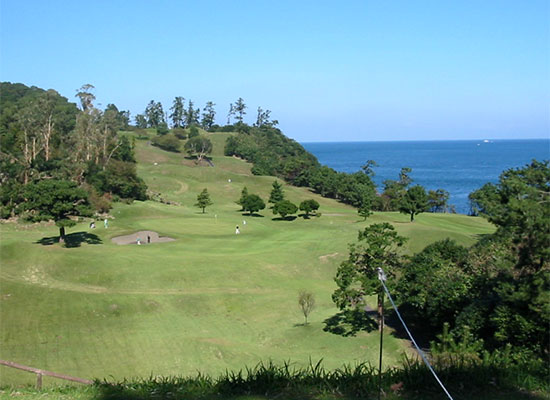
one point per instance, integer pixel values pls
(254, 215)
(350, 322)
(287, 218)
(72, 240)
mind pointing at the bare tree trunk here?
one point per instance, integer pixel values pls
(47, 134)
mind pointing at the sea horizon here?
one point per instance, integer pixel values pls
(457, 166)
(425, 140)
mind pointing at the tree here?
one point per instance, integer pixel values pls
(208, 115)
(434, 285)
(284, 208)
(277, 193)
(198, 146)
(357, 277)
(306, 301)
(239, 110)
(520, 205)
(191, 114)
(141, 121)
(167, 142)
(365, 209)
(309, 206)
(203, 200)
(178, 109)
(262, 118)
(253, 203)
(154, 114)
(244, 194)
(86, 96)
(230, 113)
(437, 200)
(57, 200)
(368, 167)
(414, 202)
(394, 191)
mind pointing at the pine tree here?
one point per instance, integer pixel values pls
(203, 200)
(276, 193)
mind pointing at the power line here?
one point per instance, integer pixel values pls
(382, 278)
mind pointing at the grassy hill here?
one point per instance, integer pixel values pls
(208, 301)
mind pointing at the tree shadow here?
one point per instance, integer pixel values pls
(305, 216)
(287, 218)
(350, 322)
(255, 215)
(72, 240)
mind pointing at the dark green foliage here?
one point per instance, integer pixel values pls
(284, 208)
(70, 144)
(244, 194)
(277, 193)
(357, 277)
(520, 205)
(199, 147)
(434, 285)
(394, 191)
(178, 112)
(167, 142)
(365, 208)
(309, 206)
(119, 178)
(414, 202)
(203, 200)
(154, 114)
(193, 131)
(124, 150)
(437, 200)
(141, 121)
(180, 133)
(253, 203)
(500, 288)
(56, 200)
(208, 116)
(162, 128)
(269, 150)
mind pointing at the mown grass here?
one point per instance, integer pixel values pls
(208, 301)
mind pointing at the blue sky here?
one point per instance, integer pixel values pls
(328, 71)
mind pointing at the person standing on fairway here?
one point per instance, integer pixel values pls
(237, 231)
(106, 223)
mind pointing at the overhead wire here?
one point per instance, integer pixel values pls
(382, 278)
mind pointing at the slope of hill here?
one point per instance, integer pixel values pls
(210, 300)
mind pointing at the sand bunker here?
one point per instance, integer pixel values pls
(142, 235)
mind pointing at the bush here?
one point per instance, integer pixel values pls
(162, 129)
(179, 133)
(167, 142)
(193, 132)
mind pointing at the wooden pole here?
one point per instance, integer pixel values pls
(381, 328)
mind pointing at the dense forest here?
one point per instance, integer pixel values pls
(59, 160)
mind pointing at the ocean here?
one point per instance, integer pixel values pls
(459, 167)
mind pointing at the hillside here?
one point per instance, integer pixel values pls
(210, 300)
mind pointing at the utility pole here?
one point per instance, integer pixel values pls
(382, 278)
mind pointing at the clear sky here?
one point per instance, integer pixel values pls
(329, 71)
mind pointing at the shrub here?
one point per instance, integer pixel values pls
(179, 133)
(167, 142)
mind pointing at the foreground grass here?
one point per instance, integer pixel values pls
(486, 380)
(209, 301)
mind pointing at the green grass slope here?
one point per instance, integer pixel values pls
(208, 301)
